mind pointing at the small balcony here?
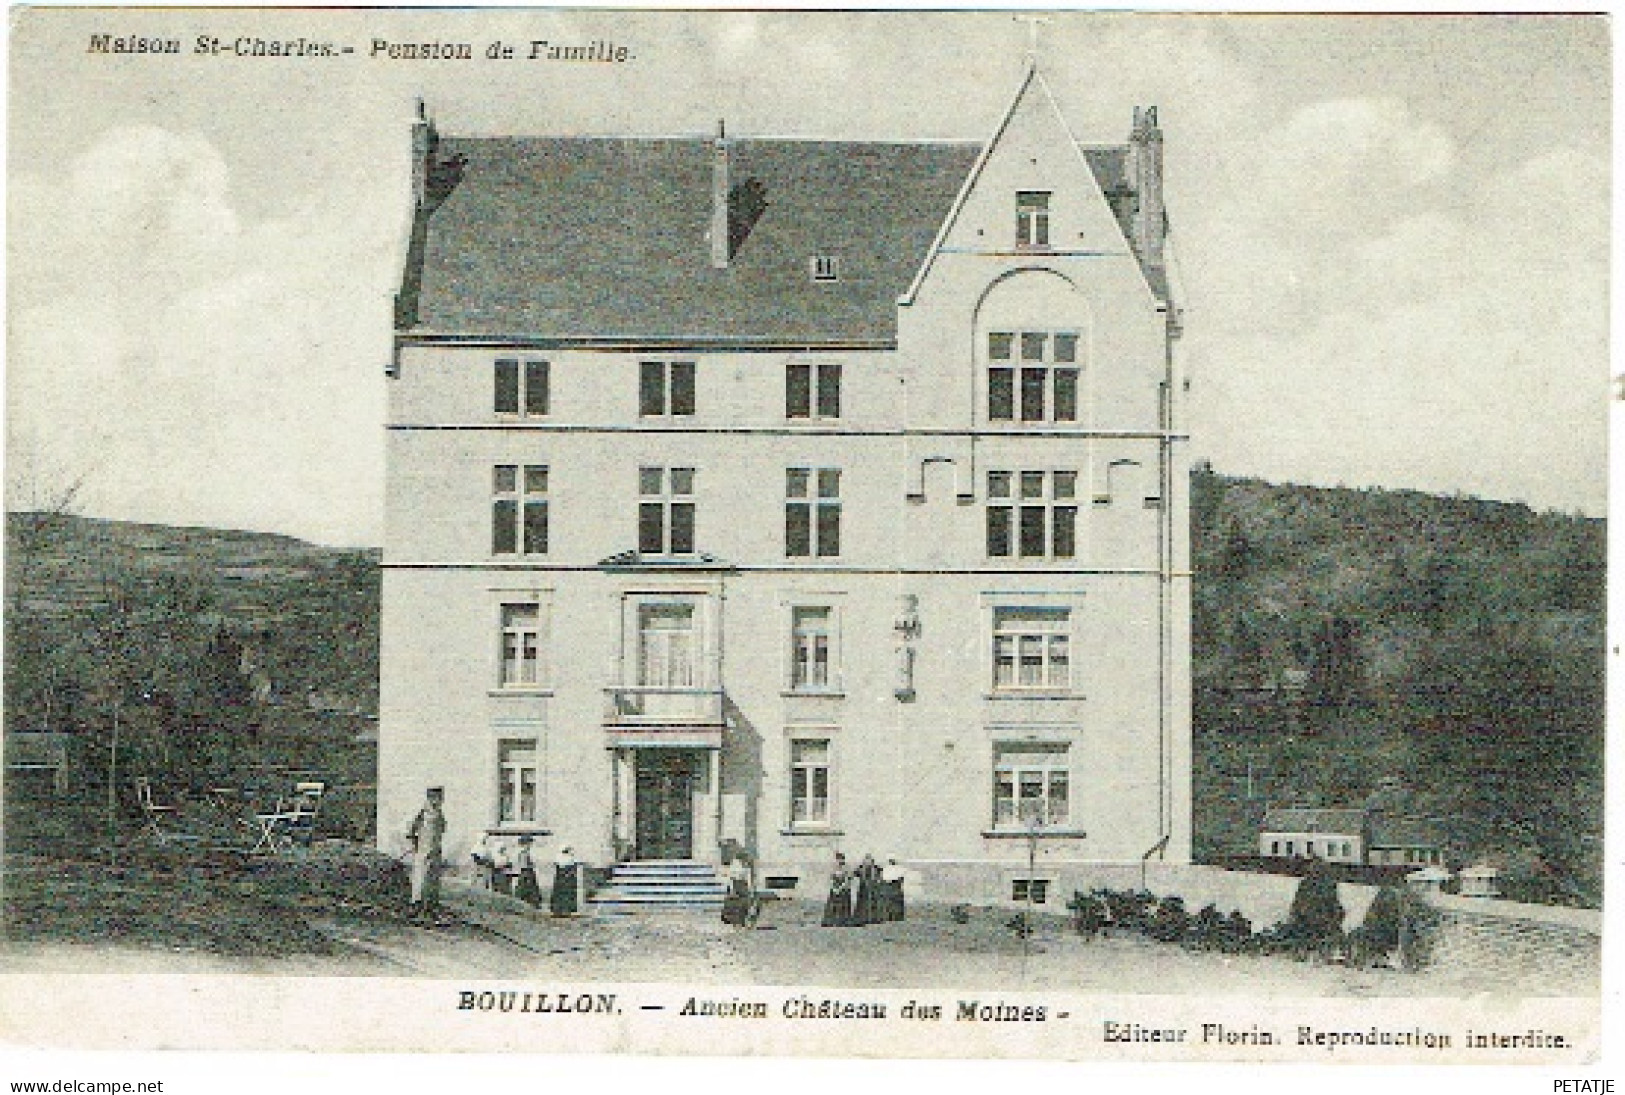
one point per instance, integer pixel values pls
(642, 716)
(666, 705)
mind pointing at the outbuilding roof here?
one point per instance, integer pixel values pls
(1391, 831)
(607, 237)
(1305, 819)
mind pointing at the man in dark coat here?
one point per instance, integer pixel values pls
(426, 838)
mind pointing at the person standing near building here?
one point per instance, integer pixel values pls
(892, 877)
(427, 838)
(838, 908)
(565, 898)
(736, 903)
(866, 901)
(525, 886)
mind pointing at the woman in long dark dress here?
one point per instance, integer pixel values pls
(566, 878)
(736, 902)
(838, 908)
(525, 886)
(866, 904)
(891, 891)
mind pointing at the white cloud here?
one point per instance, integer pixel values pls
(201, 311)
(203, 369)
(1416, 327)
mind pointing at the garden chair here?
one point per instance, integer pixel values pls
(307, 802)
(294, 819)
(158, 816)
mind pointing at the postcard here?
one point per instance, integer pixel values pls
(926, 535)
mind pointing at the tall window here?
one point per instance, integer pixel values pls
(521, 386)
(1032, 218)
(1032, 376)
(1032, 649)
(665, 388)
(1030, 785)
(521, 645)
(810, 646)
(666, 646)
(1033, 514)
(516, 782)
(519, 509)
(812, 512)
(809, 782)
(666, 511)
(812, 389)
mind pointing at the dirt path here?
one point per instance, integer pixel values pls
(500, 939)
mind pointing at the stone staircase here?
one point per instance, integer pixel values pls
(659, 885)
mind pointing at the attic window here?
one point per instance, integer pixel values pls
(824, 268)
(1032, 218)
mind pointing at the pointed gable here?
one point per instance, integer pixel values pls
(1084, 193)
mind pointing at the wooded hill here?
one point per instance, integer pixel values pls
(213, 651)
(1447, 652)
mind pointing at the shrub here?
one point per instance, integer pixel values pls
(1238, 933)
(1207, 928)
(1129, 909)
(1169, 921)
(1397, 923)
(1315, 921)
(1089, 913)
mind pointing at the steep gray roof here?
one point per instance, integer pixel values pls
(607, 237)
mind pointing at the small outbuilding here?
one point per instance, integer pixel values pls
(1336, 835)
(1428, 880)
(41, 752)
(1481, 880)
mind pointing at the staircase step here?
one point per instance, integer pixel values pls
(664, 869)
(660, 885)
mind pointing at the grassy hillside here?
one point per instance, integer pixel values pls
(1446, 653)
(309, 612)
(213, 656)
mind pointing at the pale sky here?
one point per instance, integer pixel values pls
(1392, 230)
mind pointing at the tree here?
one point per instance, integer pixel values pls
(39, 694)
(1316, 916)
(1579, 582)
(1248, 664)
(1236, 559)
(1336, 674)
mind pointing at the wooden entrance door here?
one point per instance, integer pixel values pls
(665, 804)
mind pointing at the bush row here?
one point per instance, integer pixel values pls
(1397, 924)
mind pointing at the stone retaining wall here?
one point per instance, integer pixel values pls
(1262, 898)
(1530, 947)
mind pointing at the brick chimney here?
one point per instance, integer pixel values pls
(721, 243)
(1145, 175)
(433, 179)
(423, 142)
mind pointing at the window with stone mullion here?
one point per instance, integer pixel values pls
(1032, 377)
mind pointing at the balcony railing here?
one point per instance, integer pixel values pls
(640, 704)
